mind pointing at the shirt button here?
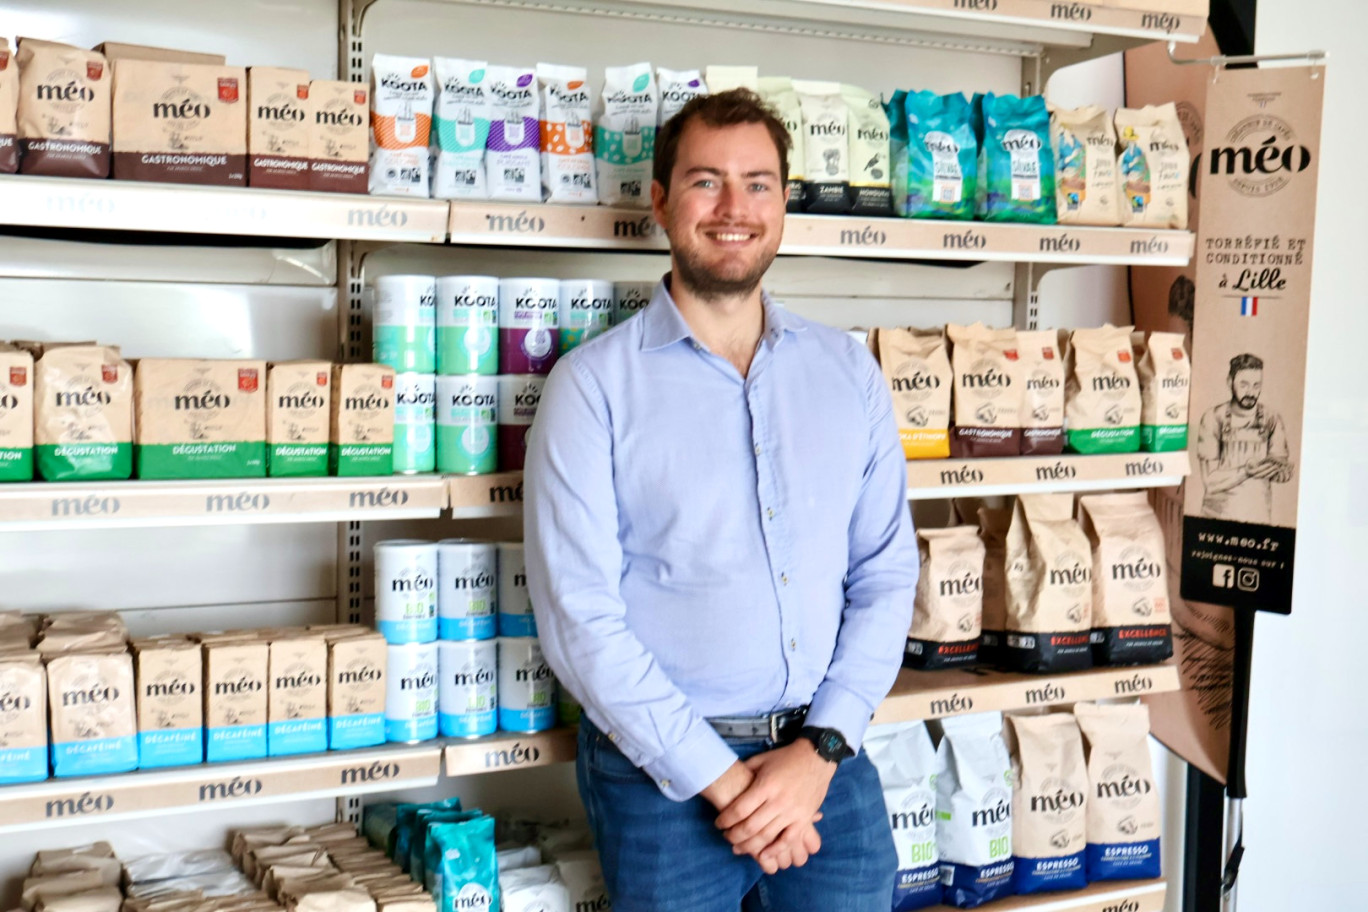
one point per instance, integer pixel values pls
(783, 578)
(612, 736)
(793, 644)
(757, 449)
(770, 512)
(664, 783)
(697, 347)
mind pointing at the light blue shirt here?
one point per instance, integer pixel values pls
(699, 545)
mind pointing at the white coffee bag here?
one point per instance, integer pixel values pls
(778, 93)
(624, 139)
(907, 765)
(513, 156)
(826, 146)
(402, 94)
(567, 138)
(461, 129)
(974, 810)
(677, 88)
(871, 170)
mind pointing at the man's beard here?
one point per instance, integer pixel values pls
(1247, 402)
(696, 277)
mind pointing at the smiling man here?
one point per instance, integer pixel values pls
(721, 559)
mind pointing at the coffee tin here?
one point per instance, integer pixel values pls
(468, 692)
(411, 693)
(527, 688)
(467, 589)
(406, 590)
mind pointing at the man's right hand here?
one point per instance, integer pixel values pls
(791, 848)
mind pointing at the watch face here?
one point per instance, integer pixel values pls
(831, 743)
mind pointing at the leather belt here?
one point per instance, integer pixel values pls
(778, 727)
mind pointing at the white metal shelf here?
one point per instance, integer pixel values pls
(39, 506)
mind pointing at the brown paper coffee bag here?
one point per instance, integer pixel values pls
(1132, 624)
(170, 673)
(298, 413)
(64, 110)
(1154, 167)
(917, 370)
(23, 718)
(1049, 803)
(183, 123)
(278, 128)
(1087, 191)
(362, 436)
(1102, 393)
(200, 419)
(9, 110)
(993, 525)
(83, 414)
(117, 50)
(339, 136)
(1165, 380)
(93, 713)
(948, 612)
(1042, 406)
(1049, 587)
(1123, 801)
(235, 698)
(988, 384)
(297, 709)
(356, 690)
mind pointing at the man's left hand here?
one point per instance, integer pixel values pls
(790, 785)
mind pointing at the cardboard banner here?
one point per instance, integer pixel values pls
(1253, 293)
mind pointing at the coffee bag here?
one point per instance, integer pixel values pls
(942, 157)
(1049, 804)
(169, 672)
(468, 874)
(993, 526)
(23, 718)
(83, 414)
(906, 762)
(63, 110)
(356, 690)
(1154, 167)
(402, 93)
(895, 109)
(1087, 191)
(279, 128)
(201, 419)
(567, 135)
(870, 167)
(513, 159)
(677, 88)
(298, 412)
(1019, 164)
(117, 50)
(339, 140)
(948, 613)
(624, 138)
(16, 414)
(297, 702)
(917, 369)
(461, 129)
(1102, 393)
(1123, 803)
(1042, 406)
(94, 721)
(778, 93)
(9, 110)
(1165, 381)
(1049, 587)
(974, 810)
(826, 147)
(1132, 622)
(183, 123)
(235, 698)
(988, 388)
(538, 889)
(362, 435)
(583, 875)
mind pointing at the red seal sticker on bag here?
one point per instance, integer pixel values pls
(302, 91)
(4, 61)
(387, 381)
(322, 378)
(94, 70)
(18, 376)
(247, 379)
(228, 89)
(109, 373)
(359, 96)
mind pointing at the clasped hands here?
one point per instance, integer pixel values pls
(770, 802)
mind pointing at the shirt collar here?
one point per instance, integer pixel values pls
(664, 325)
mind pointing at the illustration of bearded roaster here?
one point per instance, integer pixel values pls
(1242, 449)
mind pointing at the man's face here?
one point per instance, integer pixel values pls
(724, 213)
(1245, 388)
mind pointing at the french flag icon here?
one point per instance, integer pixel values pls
(1249, 307)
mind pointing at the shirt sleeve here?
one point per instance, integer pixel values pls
(574, 567)
(880, 583)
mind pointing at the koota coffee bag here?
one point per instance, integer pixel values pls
(362, 436)
(870, 167)
(1165, 381)
(169, 672)
(339, 140)
(1132, 622)
(183, 123)
(92, 706)
(1123, 804)
(298, 414)
(83, 414)
(402, 92)
(63, 110)
(23, 718)
(1049, 587)
(567, 135)
(1049, 804)
(201, 418)
(279, 128)
(460, 129)
(826, 146)
(677, 88)
(1019, 164)
(1102, 393)
(778, 93)
(1042, 390)
(917, 369)
(624, 137)
(906, 761)
(513, 158)
(16, 414)
(993, 525)
(1154, 167)
(948, 613)
(1086, 188)
(974, 810)
(9, 110)
(988, 386)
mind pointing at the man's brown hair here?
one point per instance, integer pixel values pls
(724, 109)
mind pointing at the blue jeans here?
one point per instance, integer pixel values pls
(660, 855)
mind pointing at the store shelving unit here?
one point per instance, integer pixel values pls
(1117, 896)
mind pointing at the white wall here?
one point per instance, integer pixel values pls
(1309, 730)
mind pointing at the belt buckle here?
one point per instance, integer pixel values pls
(774, 727)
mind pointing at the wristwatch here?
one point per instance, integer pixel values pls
(831, 744)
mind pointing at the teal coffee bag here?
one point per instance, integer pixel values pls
(1018, 161)
(468, 879)
(942, 157)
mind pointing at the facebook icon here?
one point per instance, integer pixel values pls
(1223, 576)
